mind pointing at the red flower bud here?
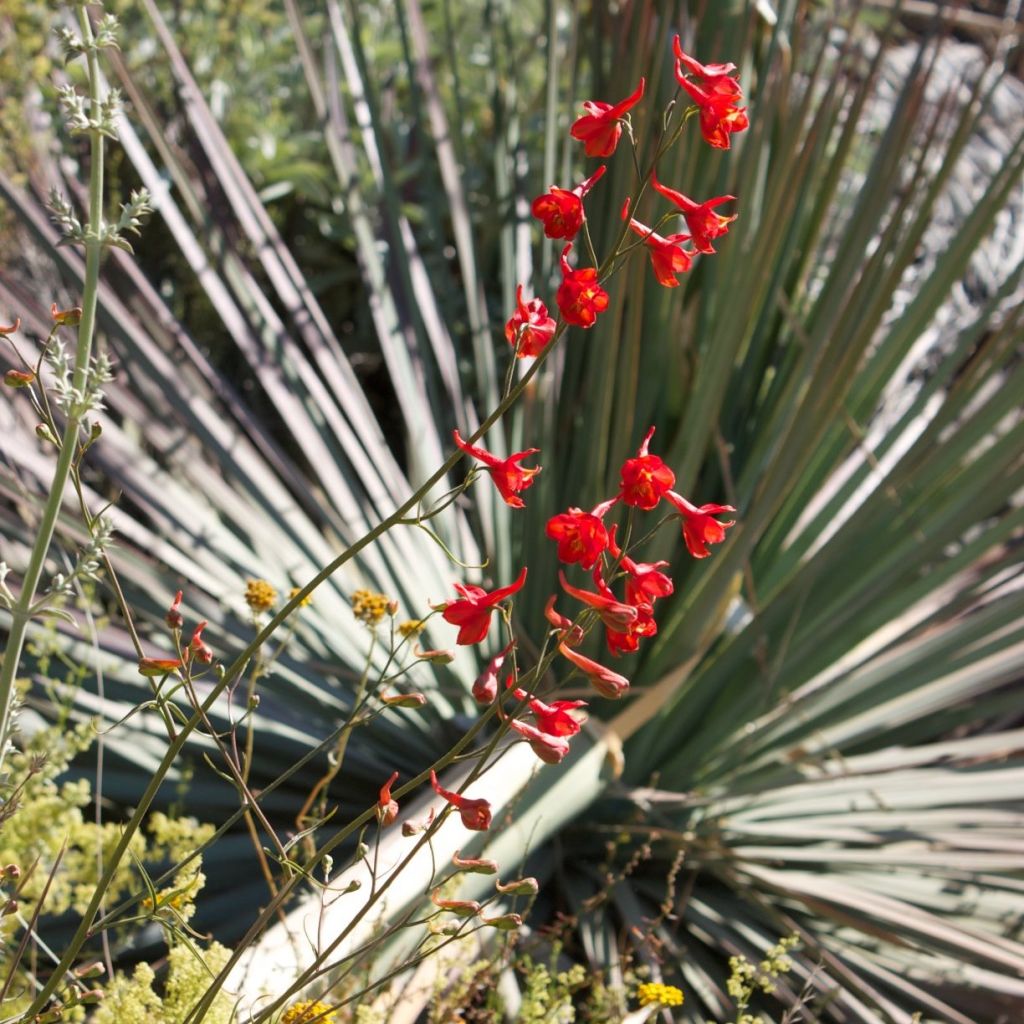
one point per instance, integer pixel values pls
(405, 700)
(197, 648)
(474, 865)
(154, 667)
(464, 908)
(387, 808)
(19, 378)
(475, 814)
(604, 680)
(173, 617)
(66, 317)
(485, 689)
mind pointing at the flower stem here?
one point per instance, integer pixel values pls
(21, 611)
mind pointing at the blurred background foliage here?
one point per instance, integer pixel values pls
(825, 736)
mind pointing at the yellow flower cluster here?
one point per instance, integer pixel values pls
(260, 596)
(413, 627)
(308, 1010)
(305, 602)
(370, 607)
(655, 992)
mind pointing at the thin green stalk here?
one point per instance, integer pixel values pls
(21, 611)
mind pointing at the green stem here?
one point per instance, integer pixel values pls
(20, 613)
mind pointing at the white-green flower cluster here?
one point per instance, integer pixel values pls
(73, 401)
(745, 979)
(73, 46)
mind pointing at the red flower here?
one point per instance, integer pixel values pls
(554, 718)
(718, 97)
(561, 211)
(704, 224)
(604, 680)
(529, 329)
(581, 536)
(645, 582)
(197, 646)
(580, 298)
(387, 807)
(645, 478)
(627, 641)
(509, 478)
(614, 614)
(711, 73)
(485, 689)
(475, 814)
(153, 667)
(13, 327)
(472, 614)
(173, 618)
(668, 257)
(719, 114)
(599, 129)
(699, 529)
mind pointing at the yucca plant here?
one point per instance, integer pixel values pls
(824, 736)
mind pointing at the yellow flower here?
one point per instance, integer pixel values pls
(308, 1010)
(260, 596)
(655, 992)
(370, 607)
(411, 628)
(305, 602)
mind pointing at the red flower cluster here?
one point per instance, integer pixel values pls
(718, 96)
(624, 591)
(583, 538)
